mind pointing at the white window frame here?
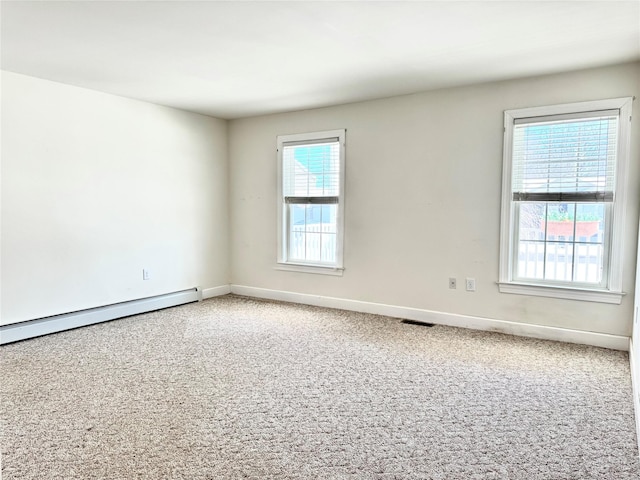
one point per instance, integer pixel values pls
(612, 292)
(283, 263)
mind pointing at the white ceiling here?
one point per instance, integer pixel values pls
(235, 59)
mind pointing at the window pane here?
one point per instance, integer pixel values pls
(297, 232)
(328, 216)
(311, 170)
(297, 244)
(575, 222)
(590, 222)
(560, 221)
(532, 221)
(313, 246)
(312, 233)
(531, 260)
(561, 241)
(328, 252)
(589, 262)
(559, 262)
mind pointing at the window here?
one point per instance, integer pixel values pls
(311, 201)
(563, 201)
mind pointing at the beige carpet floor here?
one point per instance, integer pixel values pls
(234, 388)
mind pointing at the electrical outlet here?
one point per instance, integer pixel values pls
(145, 274)
(452, 282)
(471, 284)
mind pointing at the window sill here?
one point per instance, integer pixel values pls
(303, 268)
(601, 296)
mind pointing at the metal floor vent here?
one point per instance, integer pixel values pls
(415, 322)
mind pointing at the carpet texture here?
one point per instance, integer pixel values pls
(235, 388)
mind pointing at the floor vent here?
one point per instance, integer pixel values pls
(415, 322)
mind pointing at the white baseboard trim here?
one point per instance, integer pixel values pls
(635, 386)
(44, 326)
(604, 340)
(216, 291)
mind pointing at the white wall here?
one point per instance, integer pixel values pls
(422, 203)
(97, 187)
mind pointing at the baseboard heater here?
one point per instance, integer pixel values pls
(66, 321)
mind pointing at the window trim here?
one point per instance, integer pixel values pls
(613, 292)
(309, 267)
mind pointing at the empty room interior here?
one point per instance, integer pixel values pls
(320, 240)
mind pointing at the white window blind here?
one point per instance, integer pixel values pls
(311, 172)
(565, 158)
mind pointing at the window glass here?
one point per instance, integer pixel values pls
(311, 199)
(563, 197)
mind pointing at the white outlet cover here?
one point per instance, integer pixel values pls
(471, 284)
